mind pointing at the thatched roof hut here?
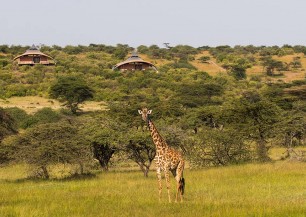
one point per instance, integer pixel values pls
(34, 56)
(134, 62)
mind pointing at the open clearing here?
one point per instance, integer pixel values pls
(275, 189)
(33, 103)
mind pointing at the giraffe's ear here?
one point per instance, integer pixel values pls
(140, 112)
(149, 112)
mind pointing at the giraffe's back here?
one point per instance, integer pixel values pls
(172, 158)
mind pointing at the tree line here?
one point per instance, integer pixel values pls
(215, 120)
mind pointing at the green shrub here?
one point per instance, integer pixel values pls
(19, 115)
(204, 59)
(42, 116)
(299, 82)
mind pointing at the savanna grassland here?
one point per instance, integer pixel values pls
(274, 189)
(73, 144)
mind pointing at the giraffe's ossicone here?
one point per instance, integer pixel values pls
(167, 159)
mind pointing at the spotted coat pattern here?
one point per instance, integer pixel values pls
(167, 159)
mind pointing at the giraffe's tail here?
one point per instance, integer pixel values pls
(182, 185)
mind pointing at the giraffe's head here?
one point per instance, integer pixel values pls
(145, 114)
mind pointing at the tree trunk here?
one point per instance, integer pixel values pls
(103, 153)
(45, 172)
(104, 164)
(74, 108)
(145, 169)
(146, 172)
(81, 168)
(262, 151)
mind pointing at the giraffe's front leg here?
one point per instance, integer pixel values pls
(159, 177)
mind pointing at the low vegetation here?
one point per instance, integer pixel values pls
(215, 120)
(228, 118)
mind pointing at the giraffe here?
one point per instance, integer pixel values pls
(167, 159)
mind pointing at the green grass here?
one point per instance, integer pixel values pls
(277, 189)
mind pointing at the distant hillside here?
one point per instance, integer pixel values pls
(94, 63)
(213, 67)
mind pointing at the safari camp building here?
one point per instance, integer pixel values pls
(34, 56)
(134, 62)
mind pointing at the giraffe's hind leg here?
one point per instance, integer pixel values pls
(180, 180)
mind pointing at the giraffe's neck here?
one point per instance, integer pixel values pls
(157, 139)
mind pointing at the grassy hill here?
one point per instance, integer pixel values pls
(213, 67)
(94, 63)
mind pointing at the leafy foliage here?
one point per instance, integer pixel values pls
(103, 134)
(216, 119)
(140, 149)
(7, 124)
(42, 116)
(271, 65)
(18, 115)
(255, 117)
(218, 148)
(48, 144)
(72, 91)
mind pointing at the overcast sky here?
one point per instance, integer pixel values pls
(146, 22)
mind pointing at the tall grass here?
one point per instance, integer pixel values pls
(277, 189)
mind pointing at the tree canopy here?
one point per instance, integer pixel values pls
(72, 91)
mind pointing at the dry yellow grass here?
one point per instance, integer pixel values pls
(212, 68)
(32, 104)
(288, 76)
(298, 74)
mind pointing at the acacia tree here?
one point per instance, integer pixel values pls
(50, 143)
(270, 65)
(256, 118)
(296, 62)
(212, 147)
(72, 91)
(140, 149)
(103, 135)
(237, 67)
(134, 139)
(294, 126)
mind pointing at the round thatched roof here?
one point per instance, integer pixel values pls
(134, 58)
(33, 51)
